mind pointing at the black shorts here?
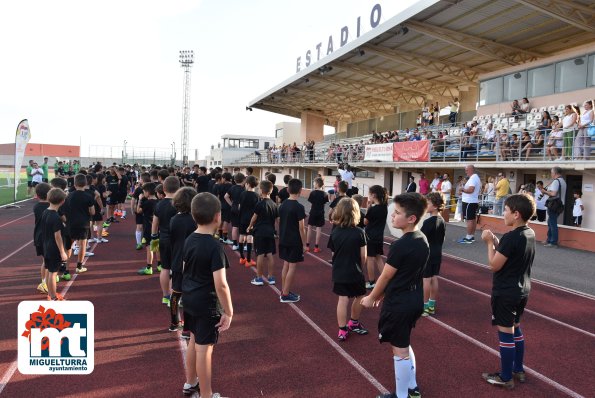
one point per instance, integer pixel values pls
(264, 245)
(139, 219)
(244, 228)
(203, 327)
(34, 184)
(375, 248)
(30, 184)
(469, 211)
(235, 220)
(350, 289)
(395, 327)
(52, 264)
(506, 311)
(226, 215)
(112, 200)
(147, 236)
(329, 244)
(38, 250)
(176, 281)
(67, 242)
(97, 216)
(431, 269)
(578, 220)
(165, 253)
(44, 180)
(291, 254)
(79, 233)
(316, 220)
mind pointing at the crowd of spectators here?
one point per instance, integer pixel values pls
(291, 153)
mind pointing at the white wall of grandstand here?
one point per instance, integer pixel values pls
(234, 147)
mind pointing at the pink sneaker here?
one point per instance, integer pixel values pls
(342, 335)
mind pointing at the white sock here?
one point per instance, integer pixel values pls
(402, 376)
(468, 236)
(412, 373)
(139, 237)
(123, 213)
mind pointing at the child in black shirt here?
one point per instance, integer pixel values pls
(138, 191)
(207, 301)
(400, 287)
(349, 243)
(54, 253)
(232, 197)
(146, 207)
(181, 226)
(248, 201)
(511, 258)
(79, 209)
(292, 238)
(41, 192)
(434, 229)
(275, 191)
(262, 226)
(284, 193)
(221, 191)
(375, 222)
(318, 198)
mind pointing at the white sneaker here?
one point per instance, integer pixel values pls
(89, 254)
(228, 242)
(92, 240)
(560, 159)
(81, 270)
(235, 247)
(102, 240)
(75, 251)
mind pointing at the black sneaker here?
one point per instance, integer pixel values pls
(414, 392)
(190, 389)
(357, 327)
(495, 380)
(174, 327)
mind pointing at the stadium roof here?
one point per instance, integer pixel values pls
(430, 51)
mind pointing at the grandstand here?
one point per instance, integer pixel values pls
(483, 53)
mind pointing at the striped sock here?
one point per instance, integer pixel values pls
(431, 303)
(507, 354)
(519, 353)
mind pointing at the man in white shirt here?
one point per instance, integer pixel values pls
(540, 200)
(37, 175)
(489, 136)
(435, 182)
(454, 109)
(470, 196)
(348, 177)
(446, 189)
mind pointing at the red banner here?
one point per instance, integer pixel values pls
(411, 151)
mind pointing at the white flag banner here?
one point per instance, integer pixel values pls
(23, 136)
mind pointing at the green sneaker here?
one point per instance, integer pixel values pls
(431, 310)
(143, 241)
(66, 277)
(165, 301)
(145, 271)
(139, 246)
(106, 224)
(159, 268)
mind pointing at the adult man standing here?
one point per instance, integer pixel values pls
(454, 109)
(424, 185)
(45, 168)
(435, 182)
(470, 193)
(411, 187)
(446, 189)
(556, 189)
(348, 177)
(29, 170)
(502, 189)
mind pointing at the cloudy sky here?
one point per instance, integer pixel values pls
(99, 73)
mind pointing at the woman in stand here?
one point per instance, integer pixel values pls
(569, 123)
(582, 143)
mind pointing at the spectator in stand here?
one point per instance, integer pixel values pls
(415, 136)
(540, 200)
(535, 145)
(582, 143)
(454, 110)
(424, 185)
(513, 147)
(546, 122)
(469, 144)
(525, 140)
(525, 107)
(419, 120)
(436, 115)
(555, 143)
(439, 144)
(503, 145)
(515, 108)
(489, 136)
(426, 115)
(569, 124)
(411, 187)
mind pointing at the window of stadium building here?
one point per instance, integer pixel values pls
(241, 143)
(568, 75)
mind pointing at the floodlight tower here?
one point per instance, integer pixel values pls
(186, 61)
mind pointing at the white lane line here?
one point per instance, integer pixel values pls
(15, 220)
(530, 371)
(8, 375)
(16, 251)
(470, 339)
(576, 329)
(352, 361)
(15, 203)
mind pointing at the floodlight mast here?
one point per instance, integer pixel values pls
(186, 61)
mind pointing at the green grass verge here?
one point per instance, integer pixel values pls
(7, 193)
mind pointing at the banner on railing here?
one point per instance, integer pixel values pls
(411, 151)
(380, 152)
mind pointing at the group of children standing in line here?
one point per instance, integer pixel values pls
(186, 230)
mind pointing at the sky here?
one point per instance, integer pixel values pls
(99, 73)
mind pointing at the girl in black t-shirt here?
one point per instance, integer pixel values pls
(318, 198)
(349, 245)
(375, 221)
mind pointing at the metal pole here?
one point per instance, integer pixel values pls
(186, 61)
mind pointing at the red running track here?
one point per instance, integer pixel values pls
(280, 350)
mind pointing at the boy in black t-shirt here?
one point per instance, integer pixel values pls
(54, 253)
(180, 227)
(284, 193)
(400, 286)
(41, 192)
(232, 197)
(222, 190)
(138, 191)
(434, 229)
(511, 258)
(61, 183)
(292, 238)
(146, 207)
(248, 201)
(275, 191)
(208, 308)
(164, 211)
(262, 226)
(79, 209)
(318, 198)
